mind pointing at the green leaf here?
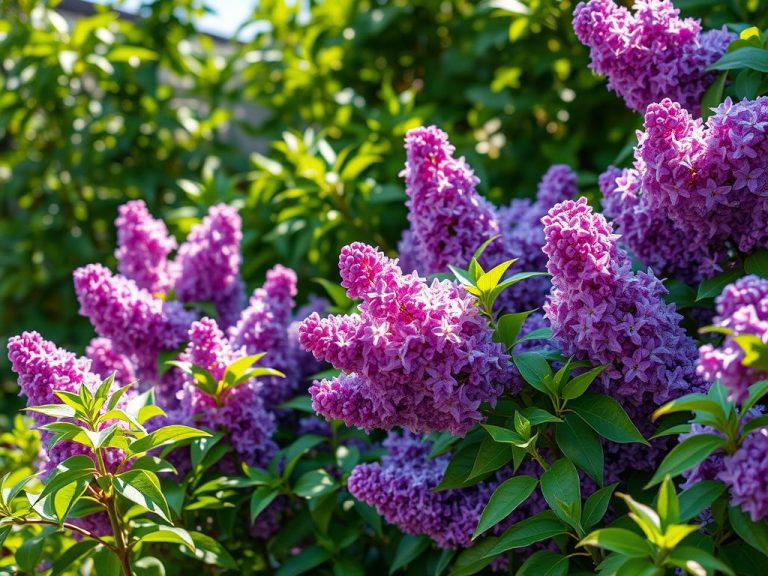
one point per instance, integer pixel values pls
(668, 504)
(458, 470)
(582, 445)
(337, 293)
(676, 533)
(201, 448)
(71, 555)
(505, 499)
(689, 403)
(472, 560)
(260, 499)
(296, 450)
(562, 490)
(129, 53)
(713, 95)
(645, 517)
(204, 380)
(544, 563)
(686, 455)
(304, 561)
(753, 533)
(314, 484)
(73, 469)
(596, 505)
(490, 457)
(757, 263)
(30, 552)
(153, 464)
(698, 561)
(538, 416)
(106, 563)
(577, 385)
(607, 418)
(300, 403)
(756, 393)
(149, 566)
(699, 497)
(164, 436)
(508, 327)
(143, 488)
(408, 549)
(240, 367)
(483, 246)
(169, 534)
(755, 351)
(542, 526)
(53, 410)
(618, 540)
(749, 57)
(534, 369)
(712, 287)
(66, 497)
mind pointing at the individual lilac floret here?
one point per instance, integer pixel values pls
(603, 312)
(105, 361)
(697, 190)
(651, 54)
(143, 246)
(743, 308)
(138, 324)
(209, 264)
(241, 414)
(264, 327)
(746, 475)
(418, 355)
(449, 219)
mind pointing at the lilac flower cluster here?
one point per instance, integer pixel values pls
(697, 189)
(743, 308)
(138, 324)
(207, 264)
(43, 368)
(601, 311)
(418, 355)
(651, 54)
(400, 487)
(746, 474)
(241, 412)
(449, 219)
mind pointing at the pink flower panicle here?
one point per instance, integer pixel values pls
(743, 308)
(696, 189)
(651, 54)
(418, 355)
(449, 219)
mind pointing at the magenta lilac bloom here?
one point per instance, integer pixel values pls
(209, 264)
(743, 308)
(241, 414)
(138, 324)
(418, 355)
(449, 219)
(697, 189)
(602, 311)
(143, 247)
(105, 361)
(650, 54)
(746, 474)
(264, 326)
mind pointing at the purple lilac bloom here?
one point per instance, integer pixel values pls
(306, 362)
(241, 412)
(42, 369)
(743, 308)
(264, 327)
(746, 474)
(105, 360)
(418, 355)
(209, 264)
(143, 246)
(449, 219)
(697, 189)
(603, 312)
(651, 54)
(138, 324)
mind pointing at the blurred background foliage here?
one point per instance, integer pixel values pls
(300, 123)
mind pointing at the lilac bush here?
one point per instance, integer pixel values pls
(650, 54)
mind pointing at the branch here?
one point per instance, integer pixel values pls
(66, 525)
